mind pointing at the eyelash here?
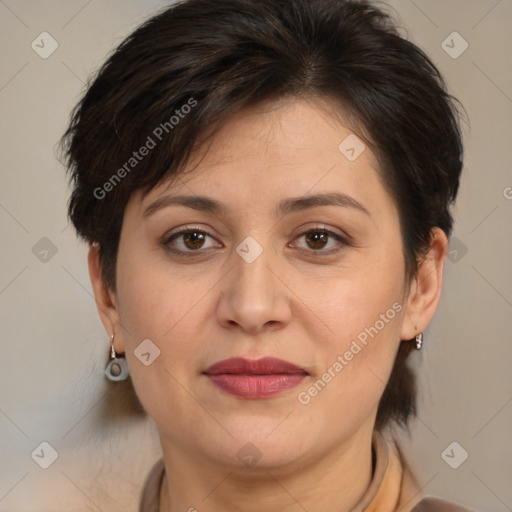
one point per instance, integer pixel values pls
(320, 252)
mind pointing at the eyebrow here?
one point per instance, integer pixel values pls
(284, 207)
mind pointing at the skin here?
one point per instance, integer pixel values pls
(295, 302)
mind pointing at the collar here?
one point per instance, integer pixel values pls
(383, 493)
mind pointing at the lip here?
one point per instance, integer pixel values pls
(258, 378)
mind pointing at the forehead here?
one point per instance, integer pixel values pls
(288, 130)
(285, 148)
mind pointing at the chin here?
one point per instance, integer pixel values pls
(264, 447)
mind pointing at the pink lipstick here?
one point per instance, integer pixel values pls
(255, 378)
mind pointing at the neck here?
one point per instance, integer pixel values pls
(336, 480)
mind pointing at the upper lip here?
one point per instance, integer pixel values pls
(263, 366)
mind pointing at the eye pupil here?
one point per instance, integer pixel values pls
(195, 238)
(317, 238)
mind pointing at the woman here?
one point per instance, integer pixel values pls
(266, 188)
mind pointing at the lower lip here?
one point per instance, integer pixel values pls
(256, 386)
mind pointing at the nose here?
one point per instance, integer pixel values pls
(254, 296)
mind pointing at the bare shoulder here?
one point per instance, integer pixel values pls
(433, 504)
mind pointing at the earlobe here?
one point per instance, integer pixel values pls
(104, 297)
(425, 292)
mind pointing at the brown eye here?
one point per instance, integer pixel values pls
(193, 239)
(188, 241)
(316, 240)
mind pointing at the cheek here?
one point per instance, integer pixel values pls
(151, 308)
(363, 310)
(359, 297)
(158, 305)
(152, 298)
(357, 361)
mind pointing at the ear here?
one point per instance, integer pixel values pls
(425, 291)
(105, 298)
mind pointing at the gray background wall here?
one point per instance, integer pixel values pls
(53, 347)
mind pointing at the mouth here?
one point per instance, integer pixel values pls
(259, 378)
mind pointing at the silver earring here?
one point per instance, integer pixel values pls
(116, 369)
(419, 341)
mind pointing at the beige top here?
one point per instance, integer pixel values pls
(391, 489)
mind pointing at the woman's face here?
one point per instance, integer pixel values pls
(281, 268)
